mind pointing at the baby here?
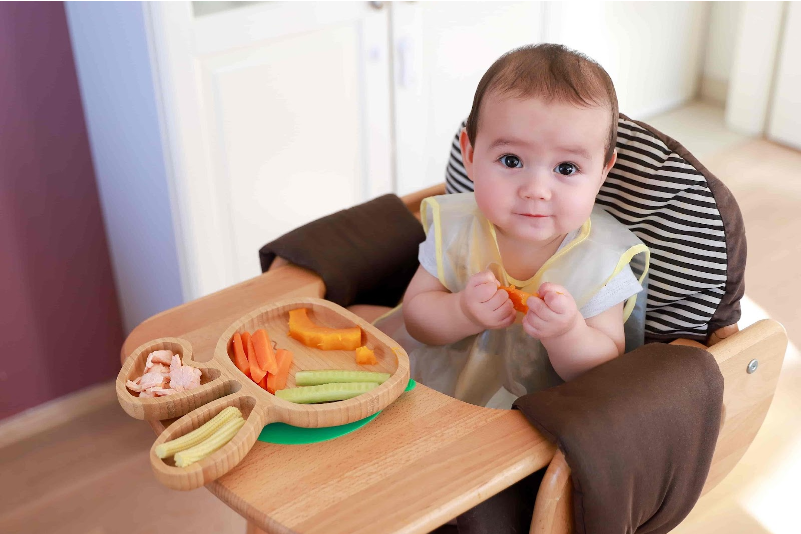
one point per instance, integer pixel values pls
(538, 145)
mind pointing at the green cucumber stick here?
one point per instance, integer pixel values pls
(324, 392)
(314, 378)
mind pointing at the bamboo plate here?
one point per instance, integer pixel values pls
(222, 385)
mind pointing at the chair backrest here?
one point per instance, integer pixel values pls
(687, 218)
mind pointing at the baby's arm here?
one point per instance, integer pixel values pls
(435, 316)
(574, 344)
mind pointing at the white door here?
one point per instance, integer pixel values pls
(441, 51)
(276, 114)
(785, 117)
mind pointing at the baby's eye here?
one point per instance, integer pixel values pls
(566, 169)
(511, 161)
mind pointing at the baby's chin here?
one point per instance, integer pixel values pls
(533, 231)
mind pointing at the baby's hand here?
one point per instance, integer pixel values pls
(486, 305)
(552, 315)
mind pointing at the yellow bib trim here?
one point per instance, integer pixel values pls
(431, 201)
(585, 231)
(385, 315)
(625, 259)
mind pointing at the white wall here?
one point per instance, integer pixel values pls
(652, 50)
(442, 50)
(753, 69)
(724, 19)
(112, 60)
(785, 114)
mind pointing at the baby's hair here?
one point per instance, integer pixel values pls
(553, 72)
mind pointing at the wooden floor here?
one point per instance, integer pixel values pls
(92, 475)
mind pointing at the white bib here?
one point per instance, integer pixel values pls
(496, 366)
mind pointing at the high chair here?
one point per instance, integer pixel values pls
(694, 229)
(404, 472)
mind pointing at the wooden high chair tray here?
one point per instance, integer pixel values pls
(223, 385)
(424, 460)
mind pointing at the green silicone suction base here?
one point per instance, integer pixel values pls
(283, 434)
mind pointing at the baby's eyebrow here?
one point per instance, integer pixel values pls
(502, 141)
(577, 150)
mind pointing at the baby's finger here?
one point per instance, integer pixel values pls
(556, 297)
(485, 292)
(509, 320)
(484, 277)
(534, 320)
(503, 317)
(559, 302)
(548, 287)
(531, 330)
(539, 308)
(498, 299)
(503, 311)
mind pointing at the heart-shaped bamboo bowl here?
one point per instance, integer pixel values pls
(222, 385)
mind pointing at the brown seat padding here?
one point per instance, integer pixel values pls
(366, 254)
(638, 433)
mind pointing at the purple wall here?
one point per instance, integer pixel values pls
(60, 327)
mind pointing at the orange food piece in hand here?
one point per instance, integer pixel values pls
(365, 356)
(518, 298)
(302, 328)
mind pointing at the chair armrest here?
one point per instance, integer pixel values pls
(745, 403)
(553, 510)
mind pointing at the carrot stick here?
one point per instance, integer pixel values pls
(240, 360)
(264, 352)
(245, 341)
(278, 380)
(256, 372)
(263, 382)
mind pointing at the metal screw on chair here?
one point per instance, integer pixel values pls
(752, 366)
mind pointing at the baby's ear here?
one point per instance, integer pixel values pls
(467, 153)
(610, 163)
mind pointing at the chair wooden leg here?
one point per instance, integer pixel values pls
(553, 510)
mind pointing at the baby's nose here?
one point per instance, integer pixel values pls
(536, 186)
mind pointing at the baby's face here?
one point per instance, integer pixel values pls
(537, 165)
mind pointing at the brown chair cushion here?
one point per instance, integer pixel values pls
(638, 433)
(366, 254)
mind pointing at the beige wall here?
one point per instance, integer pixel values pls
(723, 23)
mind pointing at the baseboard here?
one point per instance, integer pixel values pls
(714, 90)
(644, 114)
(56, 412)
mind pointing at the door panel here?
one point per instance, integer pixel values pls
(441, 51)
(277, 114)
(288, 138)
